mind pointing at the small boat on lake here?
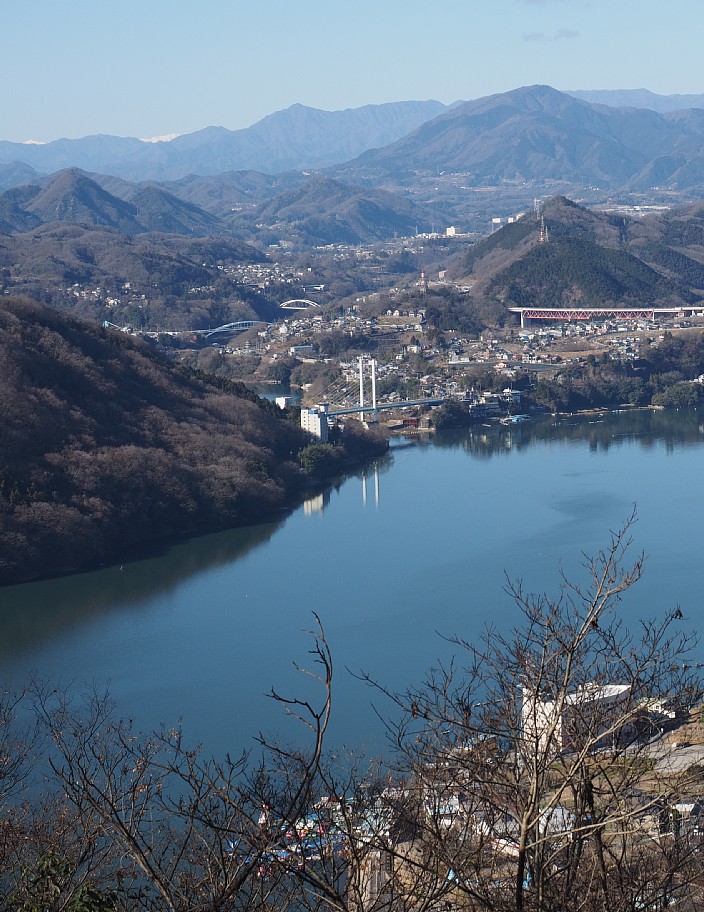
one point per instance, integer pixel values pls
(514, 419)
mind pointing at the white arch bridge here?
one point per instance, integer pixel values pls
(238, 327)
(298, 304)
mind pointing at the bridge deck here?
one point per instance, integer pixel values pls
(403, 403)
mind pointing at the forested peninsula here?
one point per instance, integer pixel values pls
(106, 447)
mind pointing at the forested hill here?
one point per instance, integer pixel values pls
(105, 446)
(587, 258)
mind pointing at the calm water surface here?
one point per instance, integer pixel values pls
(420, 545)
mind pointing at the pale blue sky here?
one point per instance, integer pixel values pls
(153, 67)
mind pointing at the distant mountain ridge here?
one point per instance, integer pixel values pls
(318, 211)
(295, 138)
(73, 196)
(639, 98)
(536, 133)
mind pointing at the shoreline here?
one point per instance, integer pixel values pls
(158, 546)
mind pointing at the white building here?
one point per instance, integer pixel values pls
(315, 421)
(590, 713)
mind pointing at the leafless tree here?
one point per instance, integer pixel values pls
(529, 773)
(536, 778)
(17, 743)
(180, 831)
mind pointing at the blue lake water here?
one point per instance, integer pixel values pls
(417, 547)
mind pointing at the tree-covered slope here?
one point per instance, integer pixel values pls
(155, 278)
(581, 273)
(325, 211)
(575, 257)
(105, 447)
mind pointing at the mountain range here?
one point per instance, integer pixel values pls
(313, 210)
(538, 134)
(533, 134)
(457, 167)
(297, 137)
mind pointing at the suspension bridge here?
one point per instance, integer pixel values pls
(340, 390)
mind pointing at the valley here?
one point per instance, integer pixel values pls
(417, 256)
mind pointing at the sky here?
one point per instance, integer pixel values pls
(149, 68)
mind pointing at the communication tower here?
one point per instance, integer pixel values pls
(543, 231)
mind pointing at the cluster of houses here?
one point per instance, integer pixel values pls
(375, 846)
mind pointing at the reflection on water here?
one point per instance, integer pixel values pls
(370, 479)
(601, 431)
(375, 477)
(34, 612)
(204, 629)
(273, 391)
(316, 503)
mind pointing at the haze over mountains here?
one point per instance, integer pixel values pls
(298, 137)
(640, 98)
(461, 166)
(532, 134)
(536, 134)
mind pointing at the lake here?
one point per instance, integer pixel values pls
(393, 559)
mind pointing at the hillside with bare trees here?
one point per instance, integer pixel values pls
(107, 447)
